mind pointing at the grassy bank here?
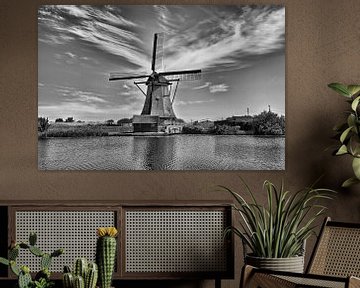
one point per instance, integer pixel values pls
(82, 130)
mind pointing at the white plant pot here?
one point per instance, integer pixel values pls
(291, 264)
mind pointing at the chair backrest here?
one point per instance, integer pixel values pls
(337, 251)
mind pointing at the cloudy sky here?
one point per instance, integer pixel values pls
(240, 49)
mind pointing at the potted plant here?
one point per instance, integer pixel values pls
(349, 132)
(42, 278)
(84, 274)
(276, 233)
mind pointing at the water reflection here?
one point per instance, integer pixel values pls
(154, 153)
(176, 152)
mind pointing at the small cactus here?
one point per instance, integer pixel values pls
(24, 278)
(91, 276)
(81, 267)
(68, 280)
(106, 254)
(79, 282)
(67, 269)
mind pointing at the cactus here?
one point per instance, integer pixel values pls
(67, 269)
(13, 253)
(24, 278)
(68, 280)
(36, 251)
(80, 267)
(32, 238)
(79, 282)
(105, 254)
(87, 272)
(91, 276)
(45, 261)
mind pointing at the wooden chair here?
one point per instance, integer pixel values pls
(334, 263)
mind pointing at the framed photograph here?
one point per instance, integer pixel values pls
(161, 87)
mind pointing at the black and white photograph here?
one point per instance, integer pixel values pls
(161, 87)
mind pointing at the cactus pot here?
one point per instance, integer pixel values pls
(291, 264)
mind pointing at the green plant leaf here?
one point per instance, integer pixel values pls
(345, 134)
(342, 150)
(355, 145)
(356, 167)
(355, 103)
(4, 261)
(351, 120)
(353, 89)
(349, 182)
(340, 88)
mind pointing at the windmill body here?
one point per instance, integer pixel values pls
(158, 114)
(158, 102)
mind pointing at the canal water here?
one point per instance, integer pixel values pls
(174, 152)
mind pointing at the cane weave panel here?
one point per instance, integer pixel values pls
(175, 241)
(305, 282)
(338, 253)
(74, 231)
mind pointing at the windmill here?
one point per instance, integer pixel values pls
(157, 112)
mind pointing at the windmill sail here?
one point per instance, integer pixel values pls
(159, 56)
(120, 76)
(158, 51)
(186, 75)
(157, 113)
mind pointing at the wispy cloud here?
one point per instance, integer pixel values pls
(72, 94)
(230, 41)
(218, 88)
(71, 55)
(227, 37)
(192, 102)
(207, 84)
(215, 88)
(102, 27)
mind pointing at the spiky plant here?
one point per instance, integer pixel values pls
(106, 254)
(42, 278)
(279, 229)
(84, 273)
(349, 132)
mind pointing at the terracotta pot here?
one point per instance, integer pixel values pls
(291, 264)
